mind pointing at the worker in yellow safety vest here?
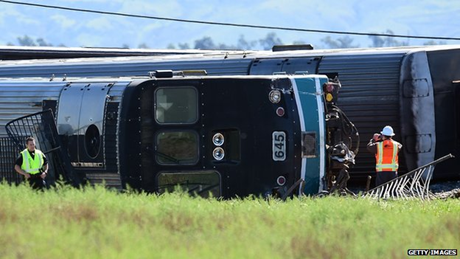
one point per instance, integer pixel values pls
(386, 151)
(32, 164)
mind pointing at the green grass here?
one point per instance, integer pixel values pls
(98, 223)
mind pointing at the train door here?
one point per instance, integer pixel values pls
(80, 114)
(177, 139)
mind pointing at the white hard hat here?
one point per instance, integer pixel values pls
(388, 131)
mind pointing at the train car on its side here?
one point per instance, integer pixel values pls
(412, 88)
(225, 135)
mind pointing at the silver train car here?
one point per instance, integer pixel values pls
(225, 135)
(414, 89)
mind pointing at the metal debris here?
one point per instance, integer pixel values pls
(408, 186)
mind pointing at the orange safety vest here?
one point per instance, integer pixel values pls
(387, 156)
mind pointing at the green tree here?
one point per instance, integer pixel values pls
(205, 43)
(208, 43)
(183, 46)
(41, 42)
(269, 41)
(386, 41)
(29, 41)
(143, 46)
(432, 42)
(26, 41)
(244, 44)
(339, 43)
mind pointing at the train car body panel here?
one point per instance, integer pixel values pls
(312, 125)
(18, 98)
(238, 110)
(20, 52)
(369, 96)
(83, 117)
(224, 136)
(417, 105)
(410, 88)
(445, 75)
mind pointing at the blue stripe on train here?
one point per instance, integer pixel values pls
(312, 109)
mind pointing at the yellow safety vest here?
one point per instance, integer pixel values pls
(387, 156)
(32, 166)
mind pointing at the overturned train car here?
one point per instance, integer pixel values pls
(228, 136)
(414, 89)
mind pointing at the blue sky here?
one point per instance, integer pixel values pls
(73, 29)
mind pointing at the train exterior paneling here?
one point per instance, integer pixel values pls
(409, 88)
(445, 75)
(20, 98)
(20, 53)
(123, 67)
(88, 121)
(176, 145)
(86, 117)
(218, 135)
(417, 110)
(369, 96)
(312, 114)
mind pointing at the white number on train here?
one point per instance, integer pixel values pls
(278, 146)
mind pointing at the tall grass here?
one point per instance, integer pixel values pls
(99, 223)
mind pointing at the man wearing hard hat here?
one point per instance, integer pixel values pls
(386, 152)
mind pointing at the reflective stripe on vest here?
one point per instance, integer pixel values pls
(32, 166)
(387, 158)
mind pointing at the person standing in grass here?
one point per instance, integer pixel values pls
(32, 164)
(386, 151)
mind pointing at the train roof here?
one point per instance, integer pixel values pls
(167, 55)
(26, 52)
(106, 79)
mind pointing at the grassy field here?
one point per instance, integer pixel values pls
(98, 223)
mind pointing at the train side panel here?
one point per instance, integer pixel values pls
(417, 109)
(222, 136)
(444, 68)
(312, 124)
(88, 121)
(380, 87)
(19, 98)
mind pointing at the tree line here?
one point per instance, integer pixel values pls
(266, 43)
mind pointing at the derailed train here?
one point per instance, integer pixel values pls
(414, 89)
(225, 135)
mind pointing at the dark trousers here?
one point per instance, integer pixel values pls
(36, 182)
(385, 176)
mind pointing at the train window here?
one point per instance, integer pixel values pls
(308, 144)
(176, 148)
(176, 105)
(203, 183)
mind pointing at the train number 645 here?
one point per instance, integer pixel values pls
(278, 146)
